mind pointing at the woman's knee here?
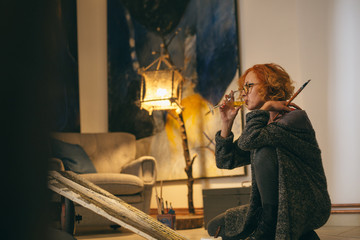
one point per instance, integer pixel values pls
(214, 224)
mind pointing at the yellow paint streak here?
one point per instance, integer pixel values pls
(195, 108)
(172, 129)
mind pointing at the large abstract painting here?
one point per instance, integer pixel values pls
(205, 49)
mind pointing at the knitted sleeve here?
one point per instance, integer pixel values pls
(227, 153)
(258, 133)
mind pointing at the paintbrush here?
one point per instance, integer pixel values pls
(294, 96)
(157, 200)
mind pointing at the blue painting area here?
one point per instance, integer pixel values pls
(148, 42)
(207, 41)
(123, 81)
(119, 59)
(217, 51)
(214, 25)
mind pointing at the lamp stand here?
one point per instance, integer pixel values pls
(188, 162)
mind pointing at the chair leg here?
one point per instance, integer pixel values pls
(67, 216)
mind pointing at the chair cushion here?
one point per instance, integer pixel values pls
(116, 183)
(73, 156)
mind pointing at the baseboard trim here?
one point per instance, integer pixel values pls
(345, 208)
(180, 211)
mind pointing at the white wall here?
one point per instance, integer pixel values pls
(269, 33)
(315, 39)
(318, 40)
(343, 104)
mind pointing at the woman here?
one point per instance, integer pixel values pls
(289, 197)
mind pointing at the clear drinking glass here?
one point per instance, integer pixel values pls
(238, 101)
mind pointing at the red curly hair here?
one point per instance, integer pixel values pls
(275, 82)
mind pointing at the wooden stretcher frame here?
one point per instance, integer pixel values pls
(87, 194)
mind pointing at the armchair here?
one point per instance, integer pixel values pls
(117, 170)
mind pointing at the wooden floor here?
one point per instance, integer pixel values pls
(325, 233)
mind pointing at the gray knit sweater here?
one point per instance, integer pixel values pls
(304, 202)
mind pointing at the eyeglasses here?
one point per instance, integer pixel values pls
(247, 87)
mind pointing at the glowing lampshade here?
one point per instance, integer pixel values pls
(160, 90)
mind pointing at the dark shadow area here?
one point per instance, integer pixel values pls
(29, 67)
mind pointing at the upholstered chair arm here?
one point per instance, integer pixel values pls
(144, 167)
(55, 164)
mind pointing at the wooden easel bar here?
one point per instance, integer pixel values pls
(87, 194)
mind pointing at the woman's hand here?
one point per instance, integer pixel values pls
(279, 106)
(228, 113)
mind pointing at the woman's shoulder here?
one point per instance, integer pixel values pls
(296, 119)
